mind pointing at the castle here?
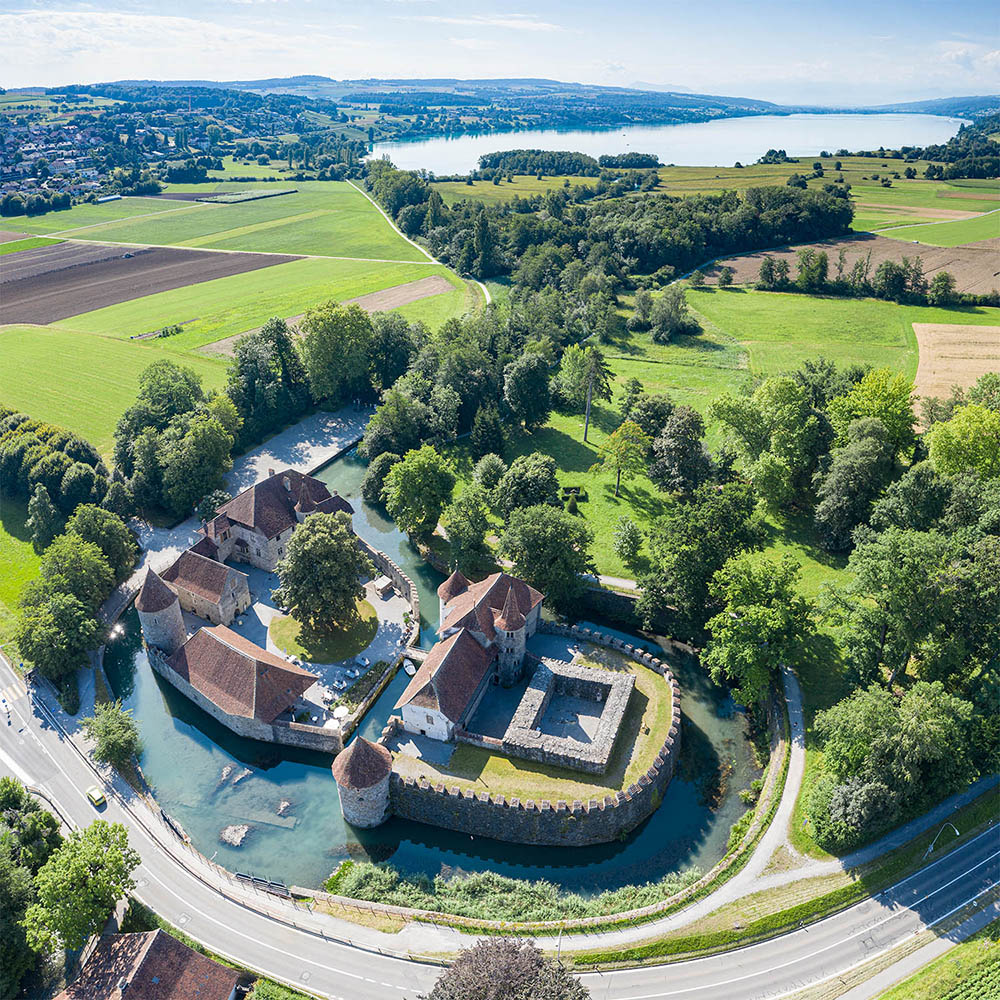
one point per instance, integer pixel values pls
(250, 690)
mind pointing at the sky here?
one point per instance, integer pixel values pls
(792, 52)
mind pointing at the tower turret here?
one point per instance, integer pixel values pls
(160, 614)
(510, 626)
(362, 774)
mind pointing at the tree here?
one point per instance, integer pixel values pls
(335, 348)
(417, 489)
(79, 885)
(882, 394)
(374, 481)
(55, 633)
(550, 549)
(526, 390)
(623, 453)
(80, 484)
(488, 472)
(651, 413)
(764, 622)
(487, 431)
(968, 442)
(78, 567)
(466, 521)
(506, 969)
(688, 546)
(207, 506)
(599, 379)
(627, 541)
(118, 500)
(857, 474)
(530, 480)
(31, 831)
(321, 573)
(726, 275)
(394, 342)
(109, 533)
(670, 315)
(916, 500)
(43, 519)
(484, 242)
(942, 290)
(17, 892)
(195, 464)
(986, 391)
(631, 392)
(682, 462)
(115, 734)
(398, 425)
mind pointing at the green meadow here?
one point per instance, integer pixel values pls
(951, 234)
(26, 244)
(522, 186)
(79, 217)
(18, 563)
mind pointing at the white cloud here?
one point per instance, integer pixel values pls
(472, 44)
(514, 22)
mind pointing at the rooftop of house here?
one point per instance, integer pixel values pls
(150, 966)
(238, 676)
(500, 598)
(200, 575)
(270, 507)
(448, 678)
(154, 595)
(362, 764)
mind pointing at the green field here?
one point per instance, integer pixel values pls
(224, 307)
(26, 244)
(88, 215)
(322, 217)
(18, 562)
(950, 234)
(523, 186)
(84, 382)
(230, 169)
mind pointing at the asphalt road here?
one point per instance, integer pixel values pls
(34, 750)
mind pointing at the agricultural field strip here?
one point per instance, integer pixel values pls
(187, 207)
(941, 222)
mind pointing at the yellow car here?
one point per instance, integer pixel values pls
(96, 797)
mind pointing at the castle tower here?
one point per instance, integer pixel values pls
(362, 775)
(160, 614)
(510, 628)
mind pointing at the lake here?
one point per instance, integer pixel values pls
(716, 143)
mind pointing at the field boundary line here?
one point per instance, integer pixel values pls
(145, 215)
(426, 253)
(940, 222)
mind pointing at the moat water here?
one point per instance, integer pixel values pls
(208, 779)
(718, 143)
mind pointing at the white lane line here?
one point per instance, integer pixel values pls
(867, 929)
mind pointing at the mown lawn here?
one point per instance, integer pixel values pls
(341, 643)
(950, 234)
(650, 708)
(81, 381)
(322, 217)
(30, 243)
(224, 307)
(107, 213)
(18, 562)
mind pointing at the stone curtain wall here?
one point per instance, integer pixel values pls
(384, 565)
(523, 739)
(294, 734)
(549, 823)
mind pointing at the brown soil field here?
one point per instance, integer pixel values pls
(176, 196)
(953, 354)
(976, 266)
(6, 236)
(50, 283)
(387, 298)
(952, 214)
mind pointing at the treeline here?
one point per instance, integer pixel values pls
(630, 161)
(540, 161)
(626, 238)
(37, 203)
(902, 281)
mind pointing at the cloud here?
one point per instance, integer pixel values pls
(513, 22)
(473, 44)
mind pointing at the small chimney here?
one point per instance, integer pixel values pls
(270, 473)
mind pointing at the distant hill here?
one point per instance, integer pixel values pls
(964, 107)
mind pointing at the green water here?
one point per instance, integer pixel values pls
(193, 763)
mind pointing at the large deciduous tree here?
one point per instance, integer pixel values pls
(968, 442)
(526, 390)
(109, 533)
(530, 480)
(623, 453)
(322, 571)
(55, 633)
(336, 343)
(682, 462)
(417, 489)
(43, 519)
(114, 732)
(467, 521)
(79, 885)
(884, 395)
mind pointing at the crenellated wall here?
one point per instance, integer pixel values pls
(574, 823)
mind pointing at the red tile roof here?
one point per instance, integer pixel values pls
(200, 575)
(474, 607)
(239, 676)
(456, 584)
(269, 506)
(448, 678)
(510, 619)
(150, 966)
(155, 595)
(362, 764)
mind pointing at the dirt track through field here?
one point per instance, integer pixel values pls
(975, 266)
(387, 298)
(954, 354)
(53, 282)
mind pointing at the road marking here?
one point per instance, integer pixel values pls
(13, 692)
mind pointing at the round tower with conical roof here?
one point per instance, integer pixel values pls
(160, 614)
(511, 629)
(362, 774)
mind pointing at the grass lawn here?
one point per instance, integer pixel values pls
(26, 244)
(18, 561)
(970, 969)
(212, 310)
(81, 381)
(343, 643)
(649, 708)
(950, 234)
(523, 186)
(231, 169)
(107, 212)
(322, 217)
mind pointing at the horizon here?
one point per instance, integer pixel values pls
(776, 52)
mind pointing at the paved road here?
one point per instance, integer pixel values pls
(298, 949)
